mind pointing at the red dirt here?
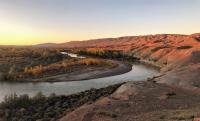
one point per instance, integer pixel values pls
(177, 98)
(141, 101)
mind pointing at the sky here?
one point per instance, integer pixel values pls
(27, 22)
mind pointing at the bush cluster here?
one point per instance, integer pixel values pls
(110, 54)
(40, 107)
(184, 47)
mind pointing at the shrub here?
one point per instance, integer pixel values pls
(19, 63)
(184, 47)
(62, 67)
(40, 107)
(112, 54)
(158, 48)
(198, 39)
(159, 40)
(14, 101)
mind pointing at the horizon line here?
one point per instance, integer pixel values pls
(99, 38)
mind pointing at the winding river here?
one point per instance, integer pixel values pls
(139, 72)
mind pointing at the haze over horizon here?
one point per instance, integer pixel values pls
(48, 21)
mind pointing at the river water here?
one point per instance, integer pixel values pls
(139, 72)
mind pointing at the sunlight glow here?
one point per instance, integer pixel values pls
(48, 21)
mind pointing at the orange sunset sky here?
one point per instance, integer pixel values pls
(27, 22)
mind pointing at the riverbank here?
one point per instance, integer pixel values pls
(131, 101)
(139, 72)
(42, 108)
(88, 73)
(141, 101)
(54, 65)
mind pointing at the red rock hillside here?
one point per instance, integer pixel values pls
(177, 55)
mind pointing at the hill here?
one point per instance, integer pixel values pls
(173, 53)
(174, 97)
(168, 51)
(171, 95)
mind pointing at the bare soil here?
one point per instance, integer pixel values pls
(141, 101)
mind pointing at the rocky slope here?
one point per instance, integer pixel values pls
(174, 97)
(141, 101)
(177, 55)
(163, 48)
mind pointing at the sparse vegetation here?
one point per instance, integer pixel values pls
(13, 61)
(171, 94)
(158, 48)
(64, 66)
(111, 54)
(198, 39)
(184, 47)
(109, 114)
(23, 64)
(159, 40)
(40, 107)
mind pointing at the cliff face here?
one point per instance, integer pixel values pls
(177, 55)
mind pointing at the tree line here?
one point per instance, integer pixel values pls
(110, 54)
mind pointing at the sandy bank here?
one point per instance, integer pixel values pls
(88, 73)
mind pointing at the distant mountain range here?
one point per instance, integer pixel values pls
(121, 42)
(118, 43)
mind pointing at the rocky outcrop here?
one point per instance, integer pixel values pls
(185, 72)
(141, 101)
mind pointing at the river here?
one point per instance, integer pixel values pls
(139, 72)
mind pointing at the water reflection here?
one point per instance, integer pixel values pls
(72, 55)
